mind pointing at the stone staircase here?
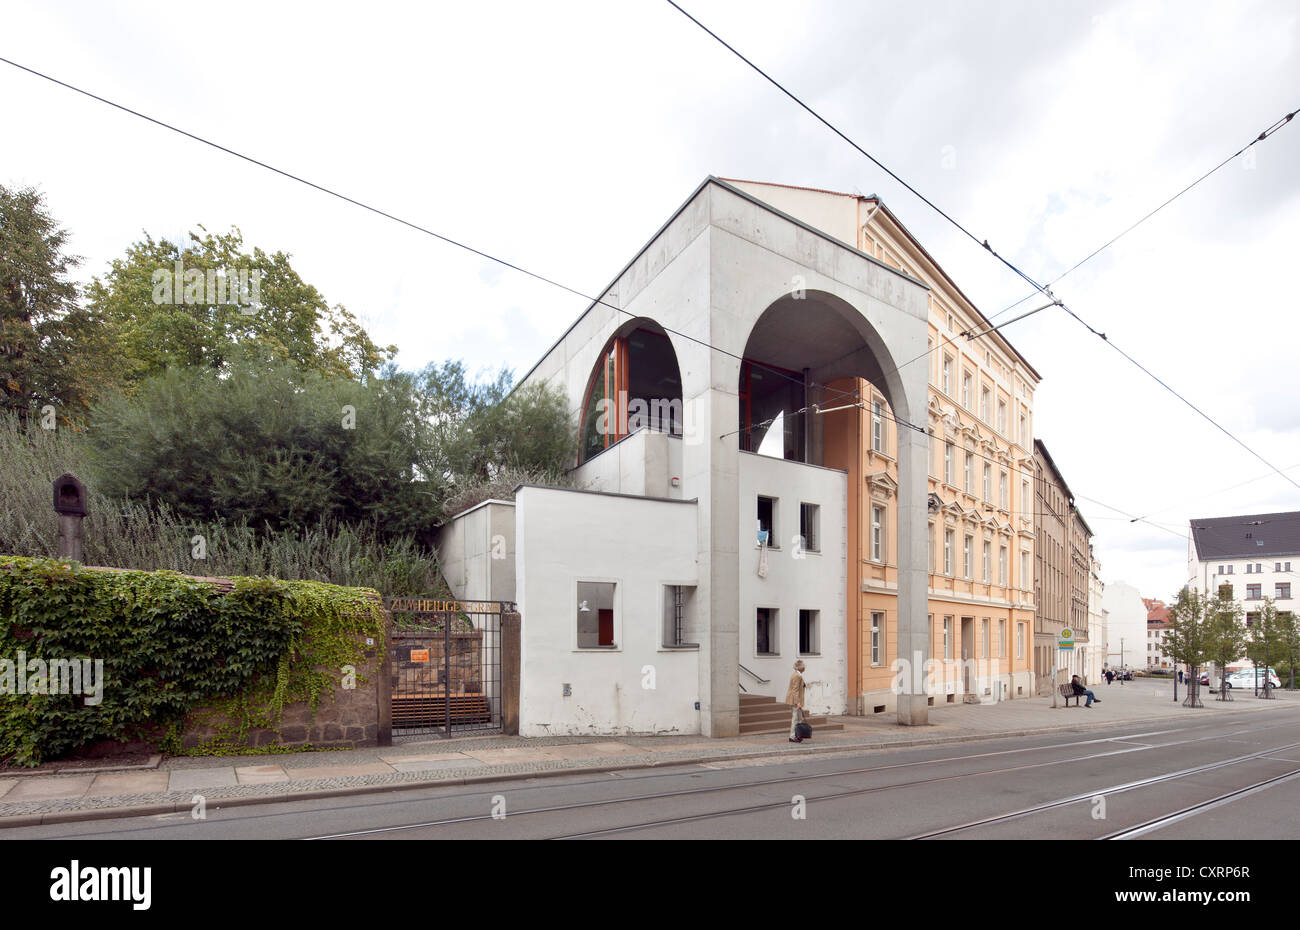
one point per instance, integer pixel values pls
(761, 714)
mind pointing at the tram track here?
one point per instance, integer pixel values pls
(807, 777)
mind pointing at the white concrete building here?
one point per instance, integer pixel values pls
(1126, 622)
(689, 570)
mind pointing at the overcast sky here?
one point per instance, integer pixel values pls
(560, 136)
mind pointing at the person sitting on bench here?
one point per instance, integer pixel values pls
(1081, 690)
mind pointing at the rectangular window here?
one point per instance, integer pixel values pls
(970, 469)
(1002, 417)
(679, 609)
(1003, 492)
(767, 642)
(1020, 640)
(877, 426)
(965, 390)
(877, 637)
(1248, 568)
(809, 644)
(1221, 571)
(947, 637)
(1026, 578)
(1253, 592)
(810, 527)
(947, 552)
(1277, 566)
(947, 463)
(1229, 569)
(984, 405)
(1282, 591)
(984, 638)
(1026, 499)
(988, 483)
(1225, 590)
(931, 547)
(596, 615)
(1002, 565)
(877, 533)
(968, 564)
(767, 522)
(988, 561)
(1002, 638)
(1024, 439)
(946, 383)
(1259, 567)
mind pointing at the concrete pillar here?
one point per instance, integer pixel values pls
(913, 572)
(720, 651)
(510, 631)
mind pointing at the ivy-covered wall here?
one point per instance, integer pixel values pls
(192, 665)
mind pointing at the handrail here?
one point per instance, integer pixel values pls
(761, 681)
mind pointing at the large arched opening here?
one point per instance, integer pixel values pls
(636, 383)
(818, 385)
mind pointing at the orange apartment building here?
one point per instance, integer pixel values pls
(981, 601)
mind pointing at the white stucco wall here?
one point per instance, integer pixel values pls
(794, 582)
(477, 552)
(644, 462)
(566, 537)
(1126, 620)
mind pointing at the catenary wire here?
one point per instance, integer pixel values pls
(1043, 289)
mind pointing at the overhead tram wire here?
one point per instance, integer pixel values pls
(1282, 121)
(1043, 289)
(408, 223)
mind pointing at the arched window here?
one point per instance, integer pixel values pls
(635, 384)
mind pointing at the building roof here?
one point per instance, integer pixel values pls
(1257, 535)
(1040, 450)
(907, 233)
(1157, 612)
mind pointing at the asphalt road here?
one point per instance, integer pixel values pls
(1178, 781)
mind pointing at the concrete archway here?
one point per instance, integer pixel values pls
(802, 360)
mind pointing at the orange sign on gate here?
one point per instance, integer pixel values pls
(419, 655)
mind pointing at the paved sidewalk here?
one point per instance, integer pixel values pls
(171, 784)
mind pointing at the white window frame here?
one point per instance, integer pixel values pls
(878, 545)
(877, 638)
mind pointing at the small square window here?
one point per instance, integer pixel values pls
(679, 615)
(809, 527)
(595, 615)
(767, 640)
(809, 635)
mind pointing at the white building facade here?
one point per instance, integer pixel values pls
(1252, 556)
(687, 570)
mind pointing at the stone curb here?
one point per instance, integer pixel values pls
(149, 810)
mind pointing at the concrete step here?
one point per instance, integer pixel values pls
(819, 724)
(751, 699)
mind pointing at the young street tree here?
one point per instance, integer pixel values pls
(1227, 636)
(1267, 642)
(1187, 638)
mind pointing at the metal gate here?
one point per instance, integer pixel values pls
(446, 666)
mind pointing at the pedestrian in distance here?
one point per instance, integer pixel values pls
(1081, 690)
(794, 696)
(1180, 676)
(1110, 676)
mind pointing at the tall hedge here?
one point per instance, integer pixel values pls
(168, 642)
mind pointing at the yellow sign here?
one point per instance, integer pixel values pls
(426, 605)
(419, 655)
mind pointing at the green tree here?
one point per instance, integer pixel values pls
(272, 445)
(1187, 638)
(1289, 634)
(482, 429)
(52, 352)
(209, 304)
(1227, 637)
(1267, 638)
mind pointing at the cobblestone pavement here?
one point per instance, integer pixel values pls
(169, 784)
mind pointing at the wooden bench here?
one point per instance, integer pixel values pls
(430, 710)
(1067, 692)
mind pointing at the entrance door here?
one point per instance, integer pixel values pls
(967, 653)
